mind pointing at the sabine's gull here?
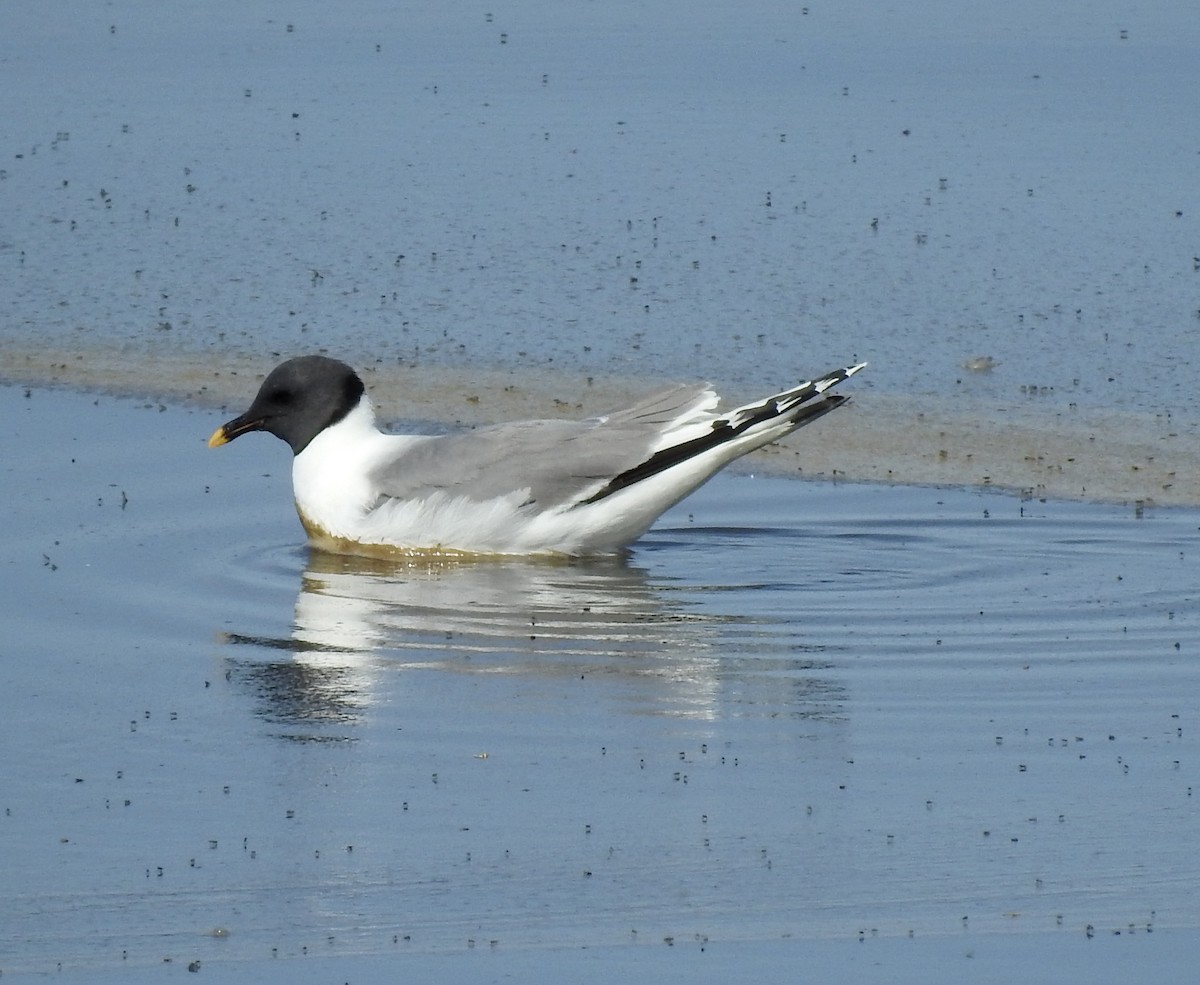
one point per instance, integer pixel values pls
(529, 487)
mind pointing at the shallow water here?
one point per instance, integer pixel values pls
(750, 192)
(800, 714)
(798, 711)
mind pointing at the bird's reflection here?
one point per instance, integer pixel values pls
(443, 606)
(357, 619)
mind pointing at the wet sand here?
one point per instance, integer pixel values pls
(1131, 457)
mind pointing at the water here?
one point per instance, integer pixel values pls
(668, 190)
(952, 724)
(797, 711)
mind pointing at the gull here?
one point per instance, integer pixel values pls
(553, 487)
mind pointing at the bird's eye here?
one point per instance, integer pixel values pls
(284, 397)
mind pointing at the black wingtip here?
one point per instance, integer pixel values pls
(798, 407)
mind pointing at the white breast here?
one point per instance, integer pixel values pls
(331, 477)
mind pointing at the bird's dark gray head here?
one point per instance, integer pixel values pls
(298, 400)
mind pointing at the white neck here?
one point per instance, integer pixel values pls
(330, 477)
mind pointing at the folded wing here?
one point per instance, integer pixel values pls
(562, 464)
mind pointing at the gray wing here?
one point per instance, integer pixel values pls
(559, 462)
